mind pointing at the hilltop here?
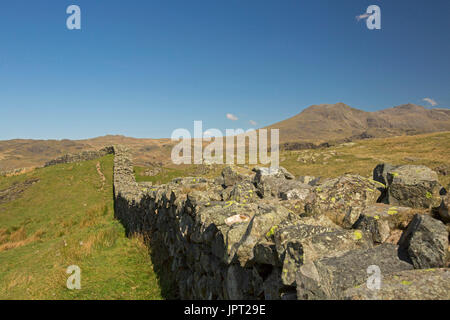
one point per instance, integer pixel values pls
(332, 122)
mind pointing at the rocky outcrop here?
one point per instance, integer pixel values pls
(237, 237)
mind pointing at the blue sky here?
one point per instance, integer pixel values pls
(144, 68)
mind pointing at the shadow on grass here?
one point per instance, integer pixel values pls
(161, 260)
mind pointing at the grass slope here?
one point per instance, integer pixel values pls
(360, 157)
(66, 218)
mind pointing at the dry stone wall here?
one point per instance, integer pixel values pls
(269, 235)
(83, 156)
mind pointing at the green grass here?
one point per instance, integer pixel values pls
(168, 174)
(431, 150)
(67, 219)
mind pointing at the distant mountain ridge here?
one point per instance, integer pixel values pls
(318, 124)
(334, 122)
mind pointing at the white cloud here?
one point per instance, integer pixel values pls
(363, 16)
(208, 134)
(231, 117)
(432, 102)
(253, 123)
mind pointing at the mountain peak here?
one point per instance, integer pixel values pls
(333, 122)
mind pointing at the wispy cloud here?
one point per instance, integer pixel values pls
(432, 102)
(231, 117)
(363, 16)
(208, 134)
(253, 123)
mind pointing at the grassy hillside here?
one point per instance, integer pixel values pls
(59, 216)
(360, 157)
(432, 150)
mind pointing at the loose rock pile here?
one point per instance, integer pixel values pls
(238, 236)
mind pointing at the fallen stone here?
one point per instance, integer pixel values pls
(298, 231)
(300, 192)
(426, 242)
(380, 172)
(318, 246)
(428, 284)
(231, 176)
(328, 278)
(413, 186)
(336, 196)
(381, 219)
(278, 172)
(243, 192)
(270, 182)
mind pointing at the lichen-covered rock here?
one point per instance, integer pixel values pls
(378, 228)
(428, 284)
(413, 186)
(426, 242)
(443, 210)
(295, 192)
(262, 222)
(265, 252)
(318, 246)
(335, 197)
(381, 219)
(231, 176)
(320, 220)
(352, 215)
(328, 278)
(270, 182)
(235, 229)
(278, 172)
(310, 180)
(295, 232)
(220, 228)
(380, 172)
(243, 192)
